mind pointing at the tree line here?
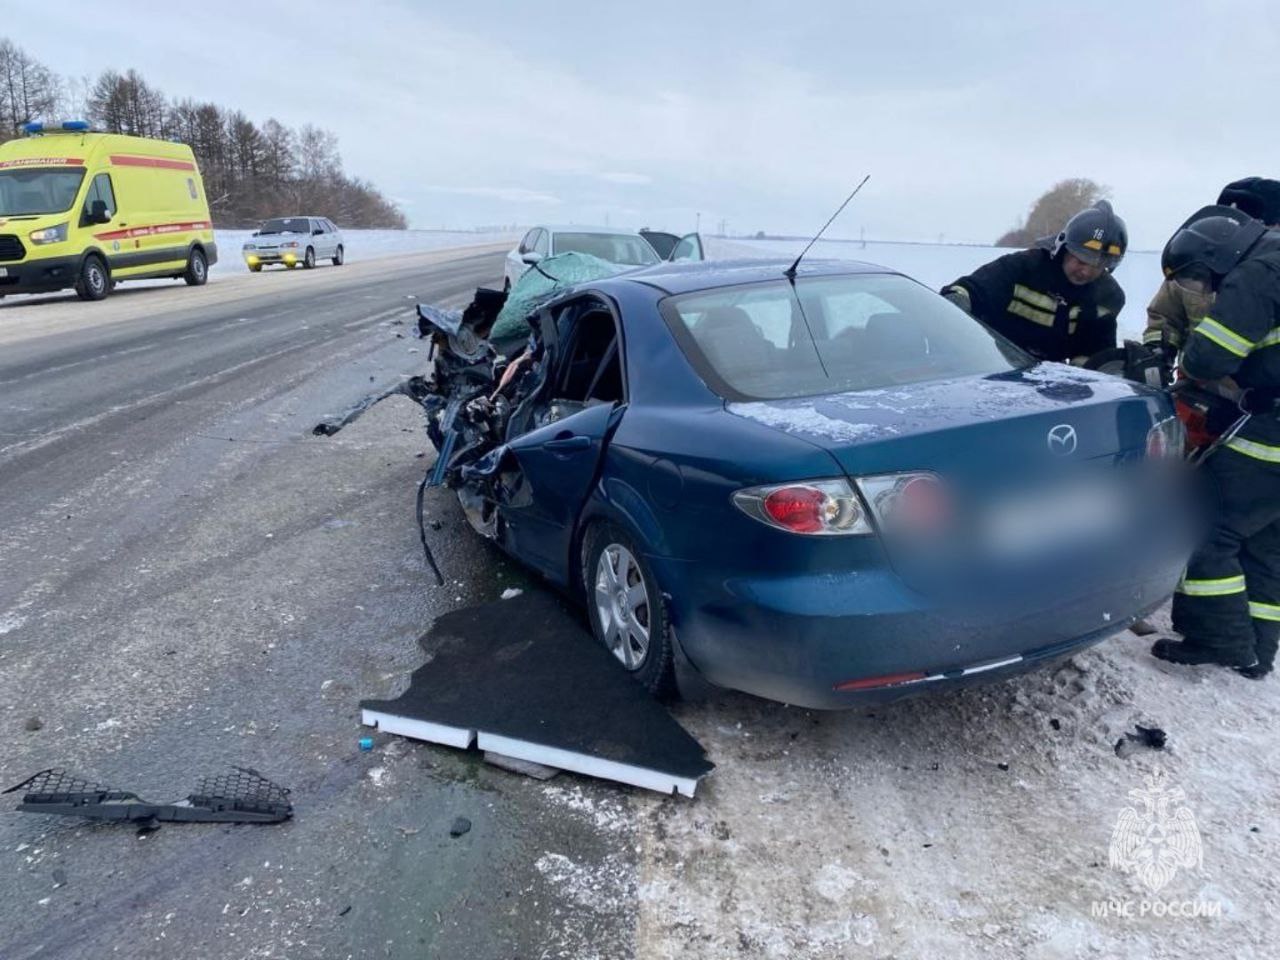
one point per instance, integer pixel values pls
(1050, 213)
(250, 171)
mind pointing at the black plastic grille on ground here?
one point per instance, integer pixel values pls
(244, 796)
(245, 789)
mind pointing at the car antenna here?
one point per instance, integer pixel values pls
(790, 272)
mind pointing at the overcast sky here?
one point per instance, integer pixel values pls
(761, 114)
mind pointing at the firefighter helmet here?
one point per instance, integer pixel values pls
(1256, 196)
(1096, 236)
(1211, 242)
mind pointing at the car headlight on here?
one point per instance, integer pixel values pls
(50, 234)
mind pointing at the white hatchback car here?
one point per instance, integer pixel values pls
(293, 241)
(617, 246)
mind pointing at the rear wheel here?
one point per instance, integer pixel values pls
(339, 257)
(94, 282)
(197, 273)
(627, 611)
(309, 259)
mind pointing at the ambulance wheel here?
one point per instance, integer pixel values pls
(94, 282)
(339, 257)
(309, 259)
(197, 273)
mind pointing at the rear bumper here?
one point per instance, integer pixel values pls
(40, 275)
(794, 639)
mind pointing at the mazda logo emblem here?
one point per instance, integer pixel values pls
(1062, 440)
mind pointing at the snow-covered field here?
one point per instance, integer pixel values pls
(363, 244)
(939, 264)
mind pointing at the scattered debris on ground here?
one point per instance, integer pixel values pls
(1152, 738)
(245, 796)
(546, 693)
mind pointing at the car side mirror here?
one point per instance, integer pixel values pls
(98, 212)
(531, 257)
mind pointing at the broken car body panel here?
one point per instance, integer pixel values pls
(653, 448)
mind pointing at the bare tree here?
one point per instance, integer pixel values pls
(1055, 207)
(28, 89)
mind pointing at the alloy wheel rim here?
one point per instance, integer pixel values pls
(622, 603)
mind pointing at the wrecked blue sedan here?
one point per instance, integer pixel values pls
(826, 489)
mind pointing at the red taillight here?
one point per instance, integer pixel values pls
(799, 509)
(908, 503)
(1167, 439)
(923, 503)
(815, 507)
(888, 680)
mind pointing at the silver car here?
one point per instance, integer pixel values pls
(293, 241)
(617, 246)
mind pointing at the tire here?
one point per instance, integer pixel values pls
(256, 268)
(309, 259)
(197, 272)
(94, 282)
(339, 256)
(626, 608)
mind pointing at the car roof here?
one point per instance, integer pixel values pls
(688, 276)
(583, 228)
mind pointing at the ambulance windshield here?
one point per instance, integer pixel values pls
(36, 190)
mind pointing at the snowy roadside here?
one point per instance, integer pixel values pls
(970, 825)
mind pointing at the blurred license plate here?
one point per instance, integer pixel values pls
(1062, 516)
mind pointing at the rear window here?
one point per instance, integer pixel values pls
(286, 225)
(767, 341)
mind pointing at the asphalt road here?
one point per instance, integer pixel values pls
(189, 579)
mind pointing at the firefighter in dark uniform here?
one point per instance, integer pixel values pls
(1176, 308)
(1058, 300)
(1227, 606)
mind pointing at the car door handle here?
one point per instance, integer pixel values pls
(569, 444)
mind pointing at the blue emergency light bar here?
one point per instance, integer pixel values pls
(64, 126)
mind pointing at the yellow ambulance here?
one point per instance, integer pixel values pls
(86, 210)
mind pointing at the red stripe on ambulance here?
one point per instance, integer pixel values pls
(129, 160)
(152, 231)
(43, 162)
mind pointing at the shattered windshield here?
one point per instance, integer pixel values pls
(762, 341)
(629, 249)
(286, 225)
(40, 190)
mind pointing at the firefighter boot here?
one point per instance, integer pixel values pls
(1190, 653)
